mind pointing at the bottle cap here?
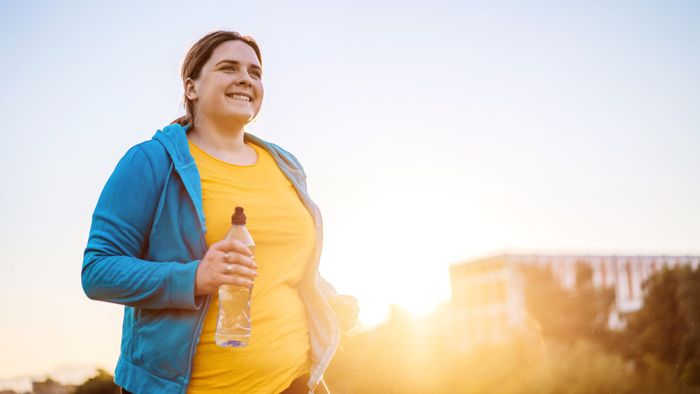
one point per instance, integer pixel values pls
(238, 217)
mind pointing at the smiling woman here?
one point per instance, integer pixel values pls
(156, 244)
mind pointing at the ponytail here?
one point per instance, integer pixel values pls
(182, 120)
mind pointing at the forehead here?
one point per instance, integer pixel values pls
(234, 50)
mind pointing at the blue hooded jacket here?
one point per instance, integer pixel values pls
(145, 243)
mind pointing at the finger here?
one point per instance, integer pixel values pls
(238, 258)
(237, 269)
(232, 245)
(236, 281)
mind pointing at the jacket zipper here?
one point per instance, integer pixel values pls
(207, 299)
(200, 320)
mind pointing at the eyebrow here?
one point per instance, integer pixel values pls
(237, 63)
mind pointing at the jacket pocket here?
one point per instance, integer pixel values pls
(161, 342)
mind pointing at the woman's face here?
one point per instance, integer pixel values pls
(229, 88)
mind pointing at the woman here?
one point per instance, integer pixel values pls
(156, 245)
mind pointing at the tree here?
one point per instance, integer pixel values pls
(102, 383)
(567, 315)
(667, 327)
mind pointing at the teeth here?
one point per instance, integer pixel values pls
(239, 97)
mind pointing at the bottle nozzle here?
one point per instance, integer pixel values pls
(238, 217)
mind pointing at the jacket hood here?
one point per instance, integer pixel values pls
(174, 139)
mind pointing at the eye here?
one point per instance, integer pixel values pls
(256, 74)
(230, 67)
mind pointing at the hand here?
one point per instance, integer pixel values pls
(227, 262)
(346, 310)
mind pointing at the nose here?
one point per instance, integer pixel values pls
(244, 80)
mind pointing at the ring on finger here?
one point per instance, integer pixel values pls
(229, 267)
(227, 255)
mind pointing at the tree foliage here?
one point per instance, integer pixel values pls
(667, 327)
(102, 383)
(564, 314)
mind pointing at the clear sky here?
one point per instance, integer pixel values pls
(431, 132)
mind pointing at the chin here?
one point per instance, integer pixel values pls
(238, 114)
(239, 118)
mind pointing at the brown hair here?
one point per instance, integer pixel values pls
(199, 53)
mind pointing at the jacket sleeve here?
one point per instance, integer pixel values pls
(112, 268)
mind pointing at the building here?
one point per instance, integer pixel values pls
(488, 301)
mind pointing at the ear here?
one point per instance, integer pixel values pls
(190, 89)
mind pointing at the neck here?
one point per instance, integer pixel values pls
(227, 138)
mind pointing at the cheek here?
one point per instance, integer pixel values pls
(206, 93)
(260, 94)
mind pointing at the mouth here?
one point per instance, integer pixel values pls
(240, 96)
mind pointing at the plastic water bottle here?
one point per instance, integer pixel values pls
(234, 325)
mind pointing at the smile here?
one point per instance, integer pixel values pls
(239, 97)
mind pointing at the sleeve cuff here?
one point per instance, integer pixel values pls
(182, 279)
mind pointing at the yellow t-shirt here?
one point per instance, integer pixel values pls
(283, 230)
